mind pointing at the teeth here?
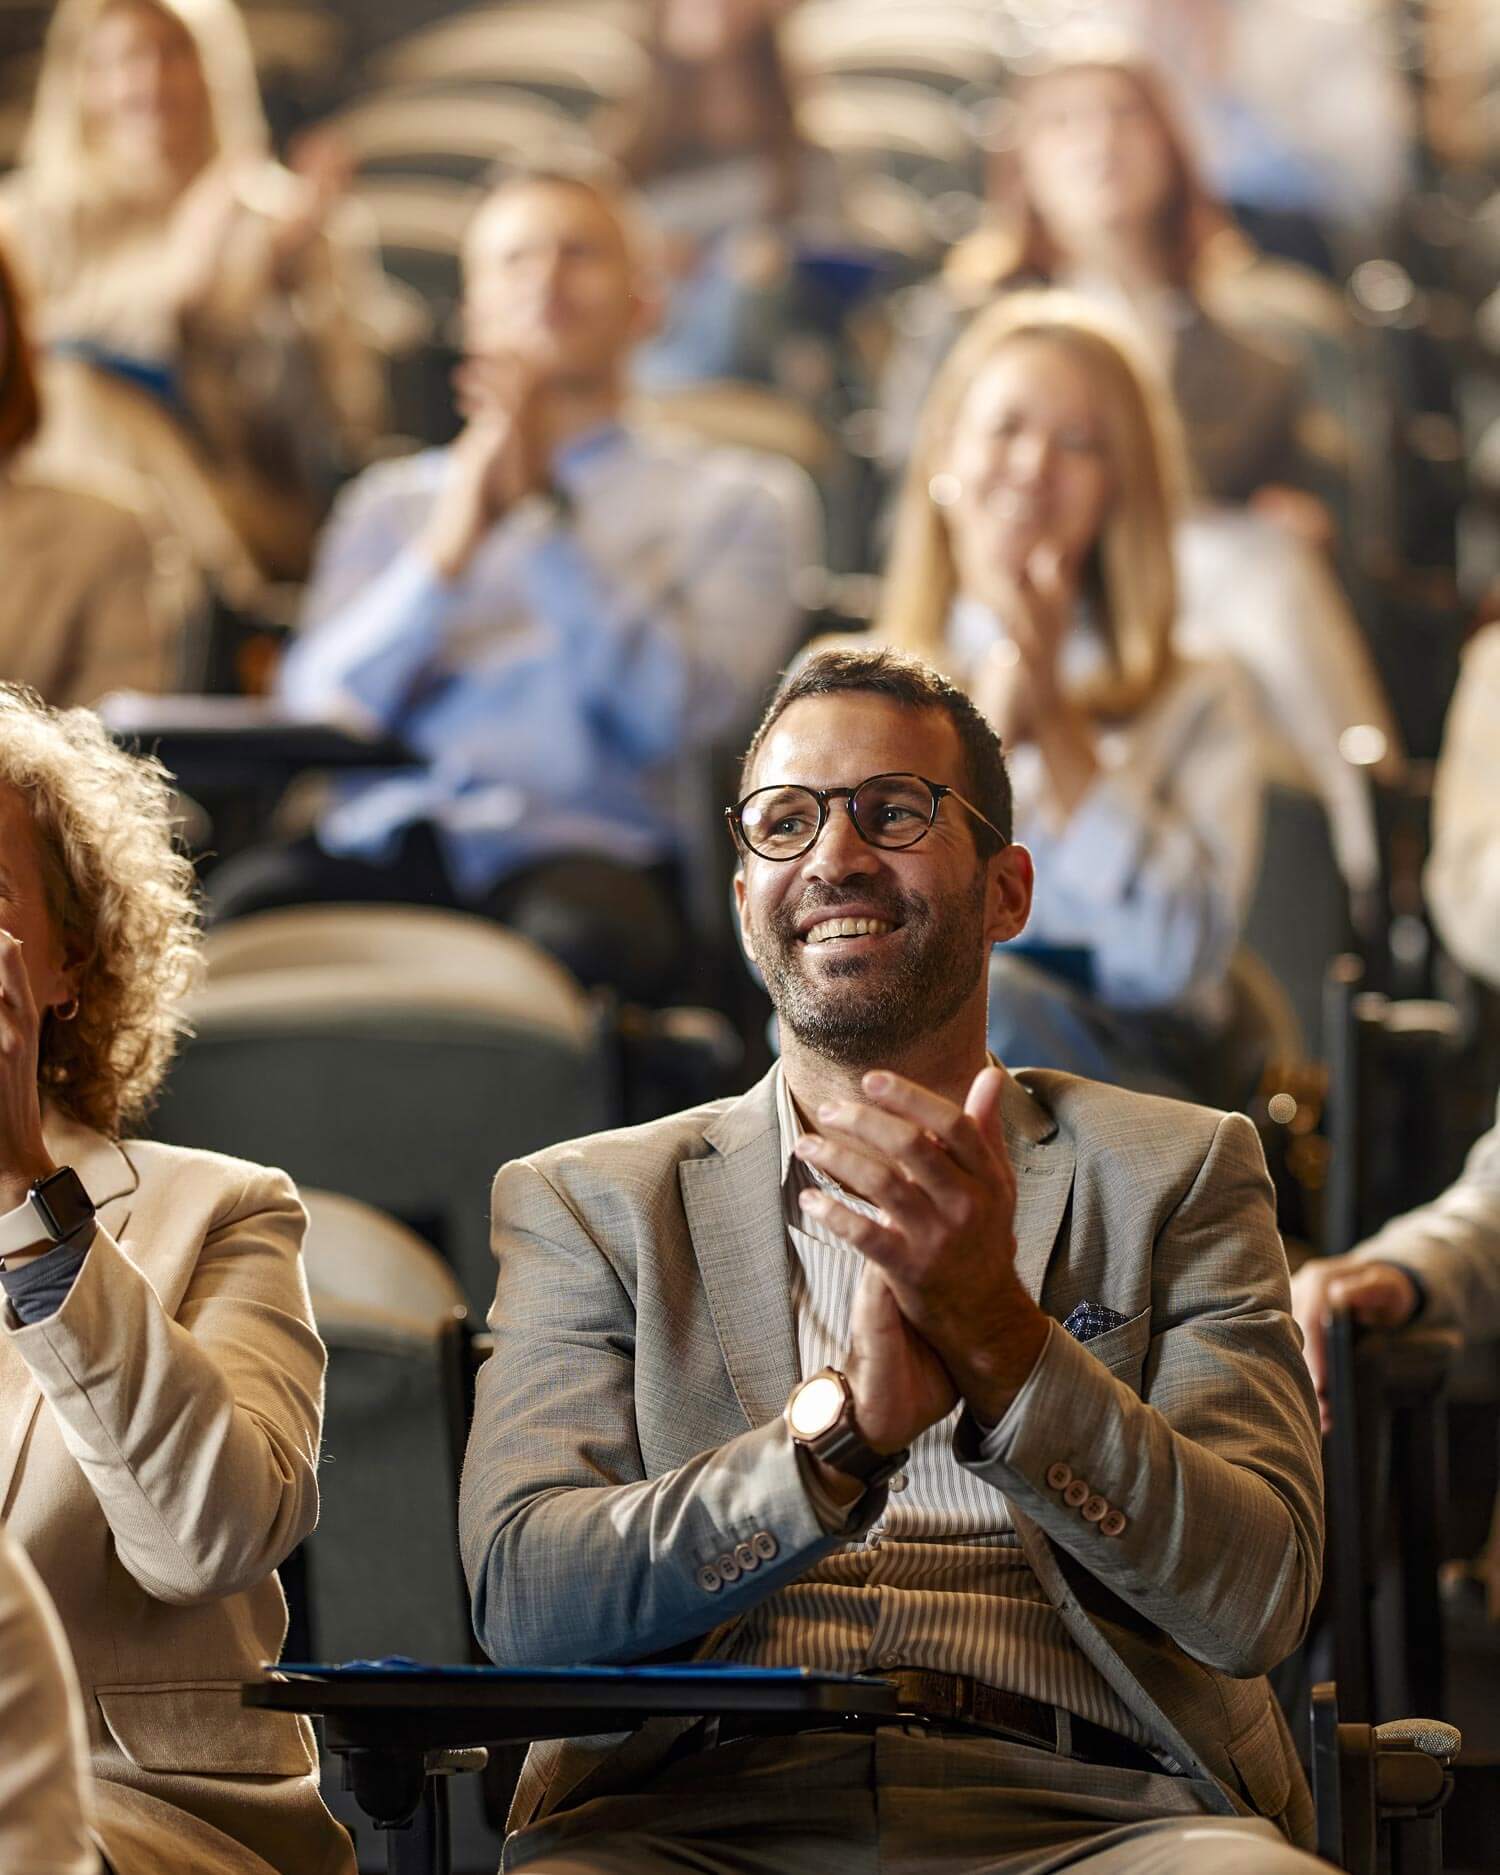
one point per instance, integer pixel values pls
(848, 927)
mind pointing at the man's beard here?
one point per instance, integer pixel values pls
(941, 960)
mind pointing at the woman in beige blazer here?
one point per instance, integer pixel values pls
(215, 320)
(160, 1376)
(88, 603)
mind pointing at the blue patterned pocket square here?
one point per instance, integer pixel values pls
(1090, 1319)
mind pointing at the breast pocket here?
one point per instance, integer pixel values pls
(200, 1728)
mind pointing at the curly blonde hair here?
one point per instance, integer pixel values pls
(122, 895)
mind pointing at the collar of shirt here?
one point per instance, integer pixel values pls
(797, 1175)
(574, 464)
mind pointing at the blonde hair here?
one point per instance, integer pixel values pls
(57, 154)
(1014, 244)
(122, 896)
(1129, 577)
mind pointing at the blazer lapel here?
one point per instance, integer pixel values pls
(733, 1205)
(110, 1179)
(1043, 1160)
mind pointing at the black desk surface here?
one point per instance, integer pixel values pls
(230, 741)
(408, 1709)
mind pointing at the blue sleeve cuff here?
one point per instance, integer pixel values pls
(39, 1288)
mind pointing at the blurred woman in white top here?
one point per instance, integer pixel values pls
(1033, 561)
(211, 314)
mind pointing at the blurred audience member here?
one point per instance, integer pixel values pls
(83, 607)
(550, 613)
(1033, 560)
(214, 323)
(1440, 1261)
(1303, 158)
(1443, 1259)
(1463, 873)
(1100, 193)
(43, 1786)
(161, 1389)
(714, 147)
(1255, 593)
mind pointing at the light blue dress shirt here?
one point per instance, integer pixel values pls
(550, 690)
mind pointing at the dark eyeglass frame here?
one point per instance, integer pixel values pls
(938, 790)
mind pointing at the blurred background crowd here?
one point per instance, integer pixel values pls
(456, 419)
(433, 430)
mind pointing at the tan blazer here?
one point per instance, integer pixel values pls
(158, 1445)
(628, 1430)
(43, 1782)
(83, 610)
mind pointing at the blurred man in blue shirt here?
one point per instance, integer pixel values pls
(549, 613)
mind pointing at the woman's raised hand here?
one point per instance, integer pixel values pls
(1017, 684)
(23, 1151)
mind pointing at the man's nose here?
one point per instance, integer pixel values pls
(839, 852)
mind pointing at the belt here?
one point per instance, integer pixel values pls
(954, 1700)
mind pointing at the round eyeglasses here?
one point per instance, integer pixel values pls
(893, 811)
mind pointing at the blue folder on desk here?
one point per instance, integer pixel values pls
(397, 1666)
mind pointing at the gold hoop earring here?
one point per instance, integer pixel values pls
(65, 1012)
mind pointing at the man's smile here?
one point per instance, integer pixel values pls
(842, 930)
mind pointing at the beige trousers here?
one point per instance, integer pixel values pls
(902, 1801)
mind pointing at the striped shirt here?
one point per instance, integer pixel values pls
(940, 1579)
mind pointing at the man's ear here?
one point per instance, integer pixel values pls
(741, 906)
(1010, 877)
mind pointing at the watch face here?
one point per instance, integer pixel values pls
(815, 1406)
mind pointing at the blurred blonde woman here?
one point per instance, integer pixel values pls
(160, 1376)
(1032, 561)
(213, 320)
(1099, 192)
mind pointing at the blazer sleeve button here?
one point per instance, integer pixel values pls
(709, 1579)
(1114, 1523)
(1077, 1493)
(1059, 1476)
(765, 1545)
(1095, 1510)
(728, 1568)
(746, 1557)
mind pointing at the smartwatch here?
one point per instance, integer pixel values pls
(820, 1417)
(57, 1207)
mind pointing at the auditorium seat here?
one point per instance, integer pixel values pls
(399, 1055)
(453, 133)
(1299, 916)
(381, 1574)
(575, 57)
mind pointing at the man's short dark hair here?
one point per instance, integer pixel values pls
(911, 685)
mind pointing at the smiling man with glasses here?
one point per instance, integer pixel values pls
(902, 1364)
